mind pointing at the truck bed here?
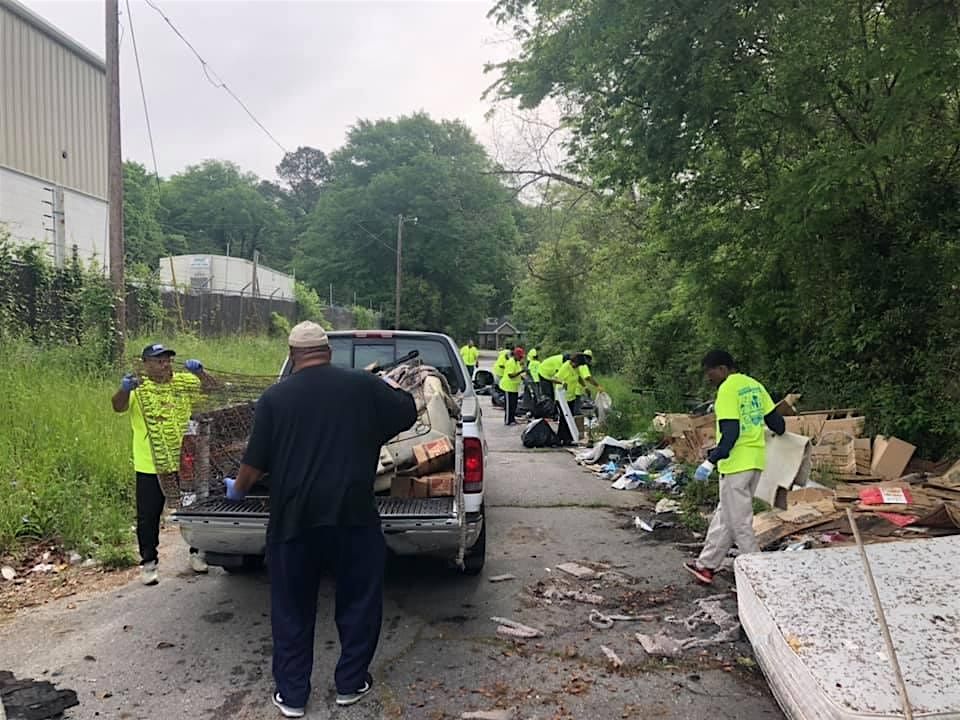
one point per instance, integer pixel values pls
(258, 507)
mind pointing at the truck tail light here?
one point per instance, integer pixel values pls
(186, 459)
(472, 465)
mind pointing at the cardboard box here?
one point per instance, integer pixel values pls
(852, 426)
(439, 485)
(863, 449)
(809, 425)
(434, 456)
(401, 487)
(890, 457)
(421, 487)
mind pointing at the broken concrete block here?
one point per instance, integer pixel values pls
(488, 715)
(578, 571)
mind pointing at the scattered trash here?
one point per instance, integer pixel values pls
(631, 480)
(511, 628)
(44, 568)
(8, 573)
(667, 505)
(90, 563)
(502, 578)
(660, 645)
(802, 545)
(642, 525)
(653, 461)
(75, 558)
(614, 659)
(602, 621)
(578, 571)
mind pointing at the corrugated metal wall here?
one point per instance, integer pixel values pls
(52, 101)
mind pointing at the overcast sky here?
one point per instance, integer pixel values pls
(307, 69)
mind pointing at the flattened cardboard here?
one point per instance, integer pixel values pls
(808, 496)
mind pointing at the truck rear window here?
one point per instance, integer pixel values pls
(359, 353)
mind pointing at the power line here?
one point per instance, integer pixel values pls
(143, 95)
(218, 82)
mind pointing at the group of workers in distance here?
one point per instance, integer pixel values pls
(514, 364)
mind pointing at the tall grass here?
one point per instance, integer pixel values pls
(65, 465)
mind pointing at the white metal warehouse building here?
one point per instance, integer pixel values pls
(53, 139)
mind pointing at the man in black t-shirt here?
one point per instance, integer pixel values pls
(318, 434)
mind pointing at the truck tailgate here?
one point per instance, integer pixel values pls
(390, 508)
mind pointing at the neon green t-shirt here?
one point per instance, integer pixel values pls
(469, 355)
(742, 398)
(507, 383)
(550, 366)
(501, 362)
(570, 377)
(533, 367)
(159, 415)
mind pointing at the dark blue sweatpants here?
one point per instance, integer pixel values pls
(357, 556)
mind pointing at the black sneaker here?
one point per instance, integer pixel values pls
(344, 699)
(287, 710)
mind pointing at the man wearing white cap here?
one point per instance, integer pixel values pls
(318, 434)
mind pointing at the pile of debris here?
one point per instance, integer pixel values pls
(893, 493)
(634, 464)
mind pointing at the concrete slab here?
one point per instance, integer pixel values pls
(812, 624)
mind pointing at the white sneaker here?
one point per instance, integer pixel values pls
(198, 563)
(345, 699)
(149, 574)
(287, 710)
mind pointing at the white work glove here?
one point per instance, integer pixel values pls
(703, 472)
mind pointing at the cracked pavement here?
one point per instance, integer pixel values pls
(200, 645)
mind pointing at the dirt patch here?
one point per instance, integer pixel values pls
(527, 534)
(30, 589)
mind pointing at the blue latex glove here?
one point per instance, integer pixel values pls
(703, 472)
(194, 366)
(129, 383)
(232, 492)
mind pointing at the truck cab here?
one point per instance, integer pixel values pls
(232, 534)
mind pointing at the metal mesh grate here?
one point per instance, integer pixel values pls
(415, 507)
(221, 506)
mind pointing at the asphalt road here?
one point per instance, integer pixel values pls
(199, 646)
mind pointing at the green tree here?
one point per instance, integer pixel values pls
(305, 170)
(459, 256)
(217, 207)
(801, 164)
(143, 235)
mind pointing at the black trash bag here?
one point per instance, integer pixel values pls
(499, 397)
(539, 434)
(546, 408)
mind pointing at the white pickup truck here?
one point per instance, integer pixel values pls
(233, 534)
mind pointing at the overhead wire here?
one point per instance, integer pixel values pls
(218, 82)
(143, 96)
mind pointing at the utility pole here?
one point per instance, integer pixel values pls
(400, 221)
(115, 177)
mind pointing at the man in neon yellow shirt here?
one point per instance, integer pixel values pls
(533, 365)
(743, 408)
(470, 353)
(586, 376)
(501, 363)
(510, 384)
(548, 374)
(160, 404)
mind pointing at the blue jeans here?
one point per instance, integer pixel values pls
(357, 556)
